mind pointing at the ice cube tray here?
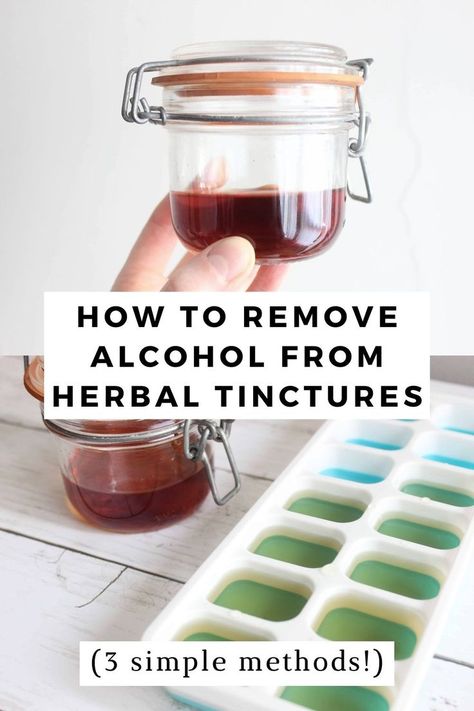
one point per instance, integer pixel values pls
(364, 536)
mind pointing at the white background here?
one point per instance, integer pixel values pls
(77, 182)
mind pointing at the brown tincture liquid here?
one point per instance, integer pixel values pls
(280, 225)
(130, 490)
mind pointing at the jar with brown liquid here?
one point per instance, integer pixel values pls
(259, 139)
(134, 475)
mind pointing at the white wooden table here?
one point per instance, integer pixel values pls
(62, 581)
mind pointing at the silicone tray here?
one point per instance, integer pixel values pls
(367, 482)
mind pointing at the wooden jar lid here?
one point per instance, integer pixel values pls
(34, 378)
(252, 82)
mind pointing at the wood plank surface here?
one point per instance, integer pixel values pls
(55, 598)
(63, 581)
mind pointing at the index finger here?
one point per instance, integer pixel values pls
(145, 267)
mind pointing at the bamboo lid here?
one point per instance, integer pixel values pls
(33, 379)
(252, 82)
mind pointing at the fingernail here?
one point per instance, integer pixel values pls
(232, 257)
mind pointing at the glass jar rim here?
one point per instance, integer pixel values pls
(280, 50)
(257, 66)
(98, 432)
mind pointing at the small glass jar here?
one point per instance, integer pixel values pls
(134, 475)
(259, 140)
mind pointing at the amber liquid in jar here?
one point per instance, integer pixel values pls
(281, 225)
(136, 488)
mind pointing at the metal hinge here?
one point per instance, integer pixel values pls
(357, 144)
(210, 430)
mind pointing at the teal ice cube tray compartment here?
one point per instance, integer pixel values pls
(364, 536)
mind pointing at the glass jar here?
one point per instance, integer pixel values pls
(259, 136)
(134, 475)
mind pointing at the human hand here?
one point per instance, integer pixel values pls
(227, 265)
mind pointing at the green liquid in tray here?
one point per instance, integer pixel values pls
(347, 625)
(442, 459)
(419, 533)
(436, 493)
(261, 600)
(387, 446)
(296, 551)
(395, 579)
(351, 475)
(335, 698)
(329, 510)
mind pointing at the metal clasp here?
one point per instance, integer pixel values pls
(357, 145)
(135, 108)
(210, 430)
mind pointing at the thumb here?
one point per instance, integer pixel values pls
(227, 265)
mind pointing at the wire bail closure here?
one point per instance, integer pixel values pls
(210, 430)
(136, 109)
(357, 145)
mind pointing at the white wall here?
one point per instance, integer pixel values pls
(77, 182)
